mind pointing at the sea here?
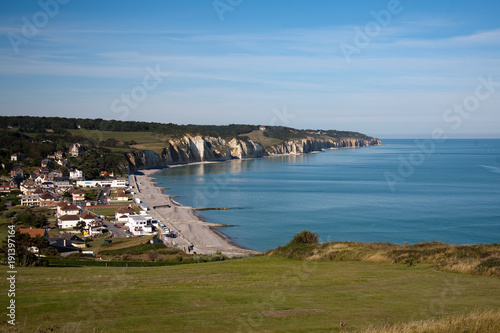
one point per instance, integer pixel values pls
(401, 191)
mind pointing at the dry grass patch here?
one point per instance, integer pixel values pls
(481, 259)
(486, 322)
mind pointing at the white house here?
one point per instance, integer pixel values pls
(76, 174)
(139, 225)
(68, 221)
(88, 218)
(17, 157)
(122, 214)
(75, 149)
(67, 209)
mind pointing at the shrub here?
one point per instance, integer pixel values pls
(9, 214)
(304, 237)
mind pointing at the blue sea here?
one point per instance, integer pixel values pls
(402, 191)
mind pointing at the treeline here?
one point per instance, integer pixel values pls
(58, 125)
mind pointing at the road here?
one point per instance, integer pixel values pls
(152, 201)
(103, 196)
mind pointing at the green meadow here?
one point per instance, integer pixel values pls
(258, 294)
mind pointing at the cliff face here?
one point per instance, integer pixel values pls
(309, 145)
(189, 149)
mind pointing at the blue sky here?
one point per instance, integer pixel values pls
(260, 62)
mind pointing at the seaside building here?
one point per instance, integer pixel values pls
(140, 225)
(113, 183)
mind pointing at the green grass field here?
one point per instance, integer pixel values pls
(258, 136)
(139, 137)
(260, 294)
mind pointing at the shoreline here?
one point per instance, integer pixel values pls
(195, 232)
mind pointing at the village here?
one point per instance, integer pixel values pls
(78, 209)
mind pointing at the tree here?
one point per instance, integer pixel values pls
(23, 243)
(305, 237)
(80, 225)
(31, 218)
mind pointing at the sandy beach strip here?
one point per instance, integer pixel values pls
(192, 229)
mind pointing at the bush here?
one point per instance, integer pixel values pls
(304, 237)
(9, 214)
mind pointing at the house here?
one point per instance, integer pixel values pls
(75, 150)
(30, 200)
(76, 174)
(39, 179)
(88, 218)
(28, 187)
(46, 163)
(94, 229)
(122, 214)
(33, 233)
(47, 185)
(107, 174)
(62, 162)
(67, 244)
(17, 173)
(59, 155)
(54, 174)
(68, 221)
(47, 200)
(121, 196)
(61, 182)
(140, 225)
(41, 171)
(5, 188)
(67, 209)
(262, 128)
(17, 157)
(78, 195)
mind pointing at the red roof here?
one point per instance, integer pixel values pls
(70, 207)
(69, 218)
(124, 210)
(47, 196)
(87, 216)
(33, 232)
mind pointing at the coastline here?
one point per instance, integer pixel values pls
(193, 230)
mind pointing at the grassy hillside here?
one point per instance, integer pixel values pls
(259, 294)
(482, 259)
(258, 136)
